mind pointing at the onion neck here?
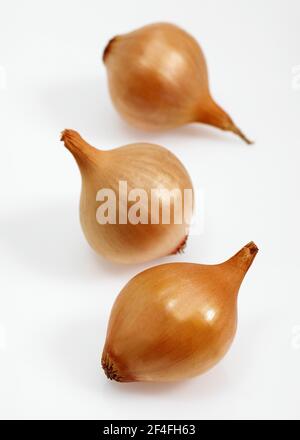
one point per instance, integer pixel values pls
(83, 152)
(214, 115)
(239, 264)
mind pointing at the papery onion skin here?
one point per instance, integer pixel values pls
(143, 166)
(174, 321)
(158, 79)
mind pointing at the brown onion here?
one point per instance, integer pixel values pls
(143, 167)
(174, 321)
(158, 79)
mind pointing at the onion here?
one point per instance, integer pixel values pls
(158, 79)
(141, 167)
(174, 321)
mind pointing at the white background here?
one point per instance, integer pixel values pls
(56, 294)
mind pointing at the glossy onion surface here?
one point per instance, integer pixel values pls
(174, 321)
(158, 79)
(140, 166)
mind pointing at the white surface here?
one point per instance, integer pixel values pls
(56, 295)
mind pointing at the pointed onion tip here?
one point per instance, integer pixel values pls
(239, 133)
(252, 248)
(68, 133)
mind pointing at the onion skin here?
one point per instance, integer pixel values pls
(158, 80)
(144, 166)
(174, 321)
